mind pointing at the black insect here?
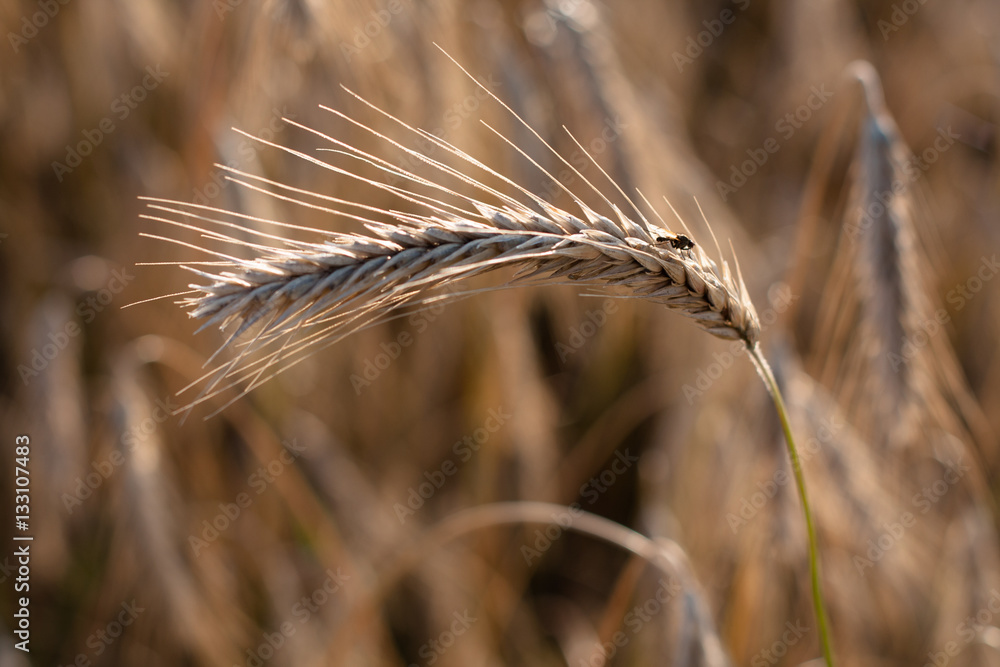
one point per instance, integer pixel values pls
(679, 242)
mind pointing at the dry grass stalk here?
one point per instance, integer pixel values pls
(300, 296)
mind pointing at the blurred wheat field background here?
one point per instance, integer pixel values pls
(312, 520)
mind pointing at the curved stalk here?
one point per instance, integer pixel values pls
(817, 593)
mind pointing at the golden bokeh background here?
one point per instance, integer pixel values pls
(275, 533)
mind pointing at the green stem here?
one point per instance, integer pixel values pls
(817, 592)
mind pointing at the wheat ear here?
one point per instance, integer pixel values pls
(298, 296)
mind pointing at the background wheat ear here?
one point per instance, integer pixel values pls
(285, 298)
(880, 347)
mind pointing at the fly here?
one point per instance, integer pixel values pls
(678, 242)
